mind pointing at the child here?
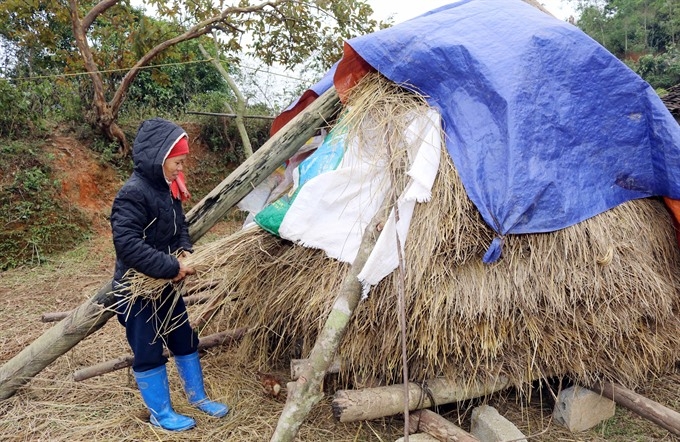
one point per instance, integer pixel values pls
(149, 230)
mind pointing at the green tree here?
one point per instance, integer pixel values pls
(643, 33)
(98, 37)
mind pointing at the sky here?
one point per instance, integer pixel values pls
(406, 9)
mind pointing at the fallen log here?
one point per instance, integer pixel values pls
(374, 403)
(94, 313)
(640, 405)
(426, 421)
(304, 393)
(126, 361)
(58, 316)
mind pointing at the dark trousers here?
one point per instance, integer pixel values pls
(151, 325)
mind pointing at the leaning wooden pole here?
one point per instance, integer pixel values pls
(262, 163)
(642, 406)
(94, 313)
(304, 393)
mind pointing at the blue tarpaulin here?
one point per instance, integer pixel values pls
(546, 128)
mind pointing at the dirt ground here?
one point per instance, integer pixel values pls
(54, 407)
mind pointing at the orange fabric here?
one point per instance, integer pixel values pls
(673, 207)
(178, 188)
(351, 69)
(284, 117)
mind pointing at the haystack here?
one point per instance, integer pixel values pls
(595, 301)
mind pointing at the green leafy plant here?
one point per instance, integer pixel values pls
(35, 221)
(16, 118)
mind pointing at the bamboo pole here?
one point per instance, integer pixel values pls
(94, 313)
(304, 393)
(121, 362)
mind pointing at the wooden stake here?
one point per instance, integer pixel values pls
(95, 312)
(307, 390)
(126, 361)
(646, 408)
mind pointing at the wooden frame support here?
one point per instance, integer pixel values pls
(374, 403)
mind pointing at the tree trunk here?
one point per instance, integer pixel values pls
(92, 315)
(426, 421)
(240, 101)
(647, 408)
(374, 403)
(126, 361)
(104, 119)
(307, 390)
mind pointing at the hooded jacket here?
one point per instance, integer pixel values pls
(147, 223)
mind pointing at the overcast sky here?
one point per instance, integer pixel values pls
(406, 9)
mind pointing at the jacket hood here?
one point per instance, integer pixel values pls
(154, 140)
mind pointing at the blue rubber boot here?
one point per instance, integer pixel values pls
(189, 369)
(153, 384)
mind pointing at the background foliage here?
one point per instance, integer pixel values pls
(645, 34)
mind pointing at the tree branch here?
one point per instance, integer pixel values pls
(196, 31)
(99, 8)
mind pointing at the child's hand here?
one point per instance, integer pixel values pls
(183, 272)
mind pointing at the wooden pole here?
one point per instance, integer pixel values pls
(262, 163)
(95, 312)
(304, 393)
(374, 403)
(646, 408)
(58, 316)
(126, 361)
(426, 421)
(298, 365)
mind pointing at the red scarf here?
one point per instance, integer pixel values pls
(178, 188)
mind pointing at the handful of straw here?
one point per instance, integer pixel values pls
(206, 260)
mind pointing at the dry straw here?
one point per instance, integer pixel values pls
(598, 300)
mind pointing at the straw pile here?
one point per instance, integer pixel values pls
(598, 300)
